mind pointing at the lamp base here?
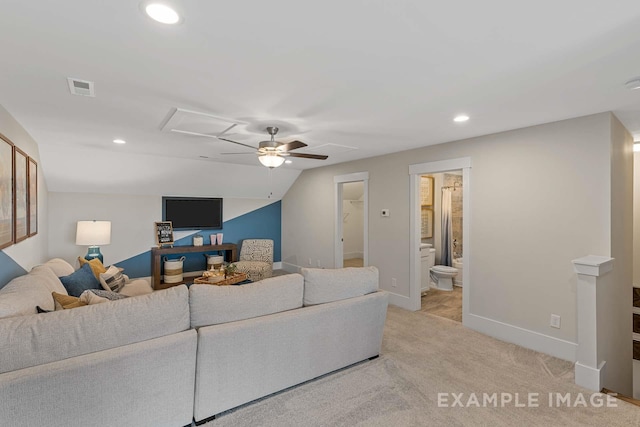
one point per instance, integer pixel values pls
(94, 252)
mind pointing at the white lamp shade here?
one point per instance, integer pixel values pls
(93, 233)
(271, 160)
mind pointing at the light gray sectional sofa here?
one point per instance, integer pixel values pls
(179, 354)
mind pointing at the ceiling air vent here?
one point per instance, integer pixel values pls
(81, 87)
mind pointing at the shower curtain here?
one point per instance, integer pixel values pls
(446, 257)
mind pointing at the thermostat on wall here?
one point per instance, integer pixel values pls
(384, 212)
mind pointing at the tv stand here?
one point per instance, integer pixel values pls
(230, 250)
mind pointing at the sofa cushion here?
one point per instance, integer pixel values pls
(212, 305)
(80, 280)
(136, 287)
(322, 285)
(35, 340)
(96, 266)
(21, 295)
(60, 267)
(112, 279)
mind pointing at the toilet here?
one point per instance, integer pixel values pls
(442, 277)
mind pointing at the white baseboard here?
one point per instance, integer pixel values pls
(556, 347)
(291, 268)
(589, 377)
(399, 300)
(277, 265)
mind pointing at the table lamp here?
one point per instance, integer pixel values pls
(92, 234)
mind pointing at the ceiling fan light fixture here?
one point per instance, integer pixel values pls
(162, 13)
(271, 160)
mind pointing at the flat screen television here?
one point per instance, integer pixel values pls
(192, 213)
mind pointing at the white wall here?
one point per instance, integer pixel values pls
(615, 327)
(132, 221)
(33, 250)
(636, 255)
(636, 219)
(540, 197)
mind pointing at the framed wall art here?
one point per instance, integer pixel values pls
(426, 223)
(426, 190)
(164, 233)
(21, 192)
(6, 192)
(32, 226)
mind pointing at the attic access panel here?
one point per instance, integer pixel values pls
(198, 124)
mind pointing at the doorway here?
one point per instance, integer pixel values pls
(441, 243)
(415, 172)
(351, 220)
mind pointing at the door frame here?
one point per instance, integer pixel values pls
(415, 171)
(338, 180)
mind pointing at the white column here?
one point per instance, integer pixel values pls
(589, 369)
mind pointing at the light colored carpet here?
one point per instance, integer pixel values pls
(424, 355)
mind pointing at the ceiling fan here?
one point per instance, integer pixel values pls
(272, 153)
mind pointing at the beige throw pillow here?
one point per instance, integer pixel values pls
(112, 279)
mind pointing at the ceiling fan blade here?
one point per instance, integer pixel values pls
(293, 145)
(309, 156)
(239, 143)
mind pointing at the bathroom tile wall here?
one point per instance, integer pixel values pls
(456, 208)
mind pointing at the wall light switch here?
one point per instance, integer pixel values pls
(555, 321)
(384, 212)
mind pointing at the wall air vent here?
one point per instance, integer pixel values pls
(81, 87)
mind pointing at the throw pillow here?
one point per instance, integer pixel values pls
(67, 301)
(110, 295)
(81, 280)
(112, 279)
(96, 266)
(90, 298)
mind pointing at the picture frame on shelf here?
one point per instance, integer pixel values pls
(6, 192)
(20, 195)
(164, 233)
(426, 223)
(426, 190)
(32, 229)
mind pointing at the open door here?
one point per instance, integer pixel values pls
(351, 219)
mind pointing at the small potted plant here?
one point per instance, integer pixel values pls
(230, 271)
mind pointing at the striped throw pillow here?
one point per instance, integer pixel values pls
(112, 279)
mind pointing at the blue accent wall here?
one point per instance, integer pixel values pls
(9, 269)
(263, 223)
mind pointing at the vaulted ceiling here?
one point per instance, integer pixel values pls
(352, 79)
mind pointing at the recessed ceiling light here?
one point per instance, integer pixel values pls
(119, 141)
(288, 162)
(162, 13)
(636, 146)
(461, 118)
(633, 83)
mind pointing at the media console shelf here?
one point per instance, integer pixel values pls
(230, 250)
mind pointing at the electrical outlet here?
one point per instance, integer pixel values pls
(310, 262)
(394, 282)
(384, 212)
(555, 321)
(319, 264)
